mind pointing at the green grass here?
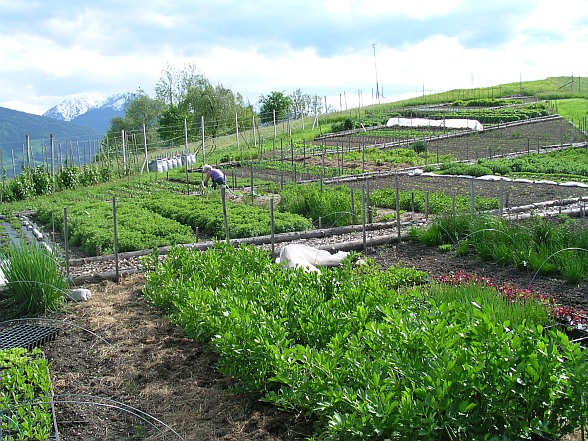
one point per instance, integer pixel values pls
(572, 109)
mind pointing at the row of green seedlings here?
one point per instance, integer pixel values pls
(371, 353)
(567, 164)
(25, 395)
(375, 118)
(540, 246)
(485, 116)
(163, 218)
(354, 162)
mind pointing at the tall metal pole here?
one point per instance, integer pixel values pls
(376, 69)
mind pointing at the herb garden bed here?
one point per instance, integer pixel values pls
(151, 365)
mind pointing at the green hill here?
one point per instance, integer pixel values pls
(15, 126)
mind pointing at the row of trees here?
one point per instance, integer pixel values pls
(187, 98)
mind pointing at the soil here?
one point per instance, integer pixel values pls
(137, 358)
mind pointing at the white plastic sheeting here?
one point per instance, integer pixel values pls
(165, 164)
(307, 257)
(458, 123)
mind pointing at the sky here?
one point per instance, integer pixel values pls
(344, 50)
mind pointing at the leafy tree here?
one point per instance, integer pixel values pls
(304, 104)
(140, 110)
(190, 96)
(171, 124)
(298, 103)
(275, 101)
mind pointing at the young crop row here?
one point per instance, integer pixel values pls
(91, 226)
(206, 214)
(25, 393)
(371, 355)
(437, 202)
(485, 116)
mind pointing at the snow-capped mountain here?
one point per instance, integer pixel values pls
(90, 111)
(72, 107)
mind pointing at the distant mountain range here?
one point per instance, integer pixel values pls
(90, 111)
(83, 120)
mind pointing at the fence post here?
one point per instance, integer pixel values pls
(272, 226)
(65, 241)
(225, 213)
(115, 240)
(501, 196)
(426, 205)
(363, 218)
(352, 207)
(472, 197)
(396, 186)
(251, 177)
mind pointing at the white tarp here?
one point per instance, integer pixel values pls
(307, 257)
(458, 123)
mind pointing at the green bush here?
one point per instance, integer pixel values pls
(419, 146)
(536, 244)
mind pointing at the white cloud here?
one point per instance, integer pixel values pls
(54, 50)
(376, 8)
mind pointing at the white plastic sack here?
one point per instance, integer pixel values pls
(161, 165)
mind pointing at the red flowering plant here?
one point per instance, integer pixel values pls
(569, 316)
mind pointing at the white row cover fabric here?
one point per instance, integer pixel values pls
(458, 123)
(165, 164)
(307, 257)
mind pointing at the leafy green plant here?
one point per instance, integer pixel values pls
(373, 354)
(438, 202)
(444, 247)
(25, 390)
(36, 281)
(419, 146)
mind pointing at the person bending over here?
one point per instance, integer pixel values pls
(215, 175)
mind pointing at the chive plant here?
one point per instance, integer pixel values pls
(36, 282)
(543, 246)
